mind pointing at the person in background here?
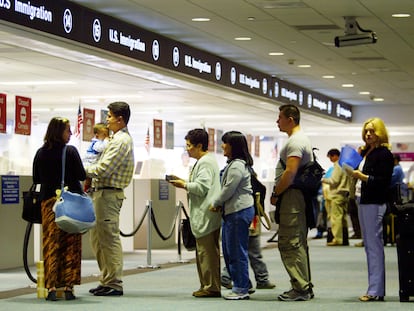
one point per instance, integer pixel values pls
(339, 186)
(353, 212)
(323, 224)
(62, 251)
(235, 202)
(111, 174)
(259, 267)
(372, 189)
(293, 230)
(202, 187)
(397, 178)
(95, 149)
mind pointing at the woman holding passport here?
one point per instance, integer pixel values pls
(373, 182)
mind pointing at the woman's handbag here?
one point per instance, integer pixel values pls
(74, 213)
(187, 235)
(32, 211)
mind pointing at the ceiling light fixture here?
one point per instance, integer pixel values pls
(200, 19)
(276, 53)
(352, 37)
(364, 93)
(347, 85)
(304, 66)
(328, 77)
(401, 15)
(242, 38)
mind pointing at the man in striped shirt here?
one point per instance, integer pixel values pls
(111, 175)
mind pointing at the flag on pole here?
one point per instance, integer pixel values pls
(147, 141)
(78, 124)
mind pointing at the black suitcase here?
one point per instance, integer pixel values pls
(405, 253)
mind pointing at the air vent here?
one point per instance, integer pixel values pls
(275, 4)
(363, 59)
(316, 27)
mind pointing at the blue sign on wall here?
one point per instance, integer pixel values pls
(10, 189)
(163, 193)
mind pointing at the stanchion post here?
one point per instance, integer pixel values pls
(149, 237)
(179, 206)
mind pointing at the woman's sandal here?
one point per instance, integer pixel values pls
(366, 298)
(69, 294)
(51, 295)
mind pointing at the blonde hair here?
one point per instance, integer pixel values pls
(379, 129)
(101, 128)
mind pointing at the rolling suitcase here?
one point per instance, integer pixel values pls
(405, 250)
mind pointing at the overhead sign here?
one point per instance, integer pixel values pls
(74, 22)
(23, 117)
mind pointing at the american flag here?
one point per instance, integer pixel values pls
(147, 141)
(78, 124)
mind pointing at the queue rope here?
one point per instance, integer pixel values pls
(147, 207)
(25, 246)
(154, 222)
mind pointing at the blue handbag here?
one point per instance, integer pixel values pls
(74, 213)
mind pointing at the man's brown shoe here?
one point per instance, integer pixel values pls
(334, 243)
(206, 293)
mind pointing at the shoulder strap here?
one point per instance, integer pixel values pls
(63, 167)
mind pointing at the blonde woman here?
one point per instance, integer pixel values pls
(373, 182)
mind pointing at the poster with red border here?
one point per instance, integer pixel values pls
(88, 124)
(157, 133)
(3, 113)
(211, 142)
(23, 115)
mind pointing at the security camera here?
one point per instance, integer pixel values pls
(356, 39)
(352, 37)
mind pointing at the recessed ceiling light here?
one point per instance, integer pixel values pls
(347, 85)
(364, 93)
(200, 19)
(242, 38)
(328, 77)
(378, 99)
(276, 53)
(251, 18)
(401, 15)
(304, 66)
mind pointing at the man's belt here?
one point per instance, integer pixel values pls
(107, 188)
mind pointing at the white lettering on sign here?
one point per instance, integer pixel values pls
(118, 37)
(250, 82)
(197, 64)
(33, 11)
(319, 104)
(133, 44)
(5, 4)
(342, 111)
(291, 95)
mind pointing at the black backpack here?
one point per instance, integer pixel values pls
(308, 179)
(257, 187)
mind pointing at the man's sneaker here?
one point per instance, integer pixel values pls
(236, 296)
(96, 289)
(294, 295)
(108, 291)
(267, 285)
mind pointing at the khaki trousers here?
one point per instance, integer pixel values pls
(293, 244)
(105, 239)
(208, 261)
